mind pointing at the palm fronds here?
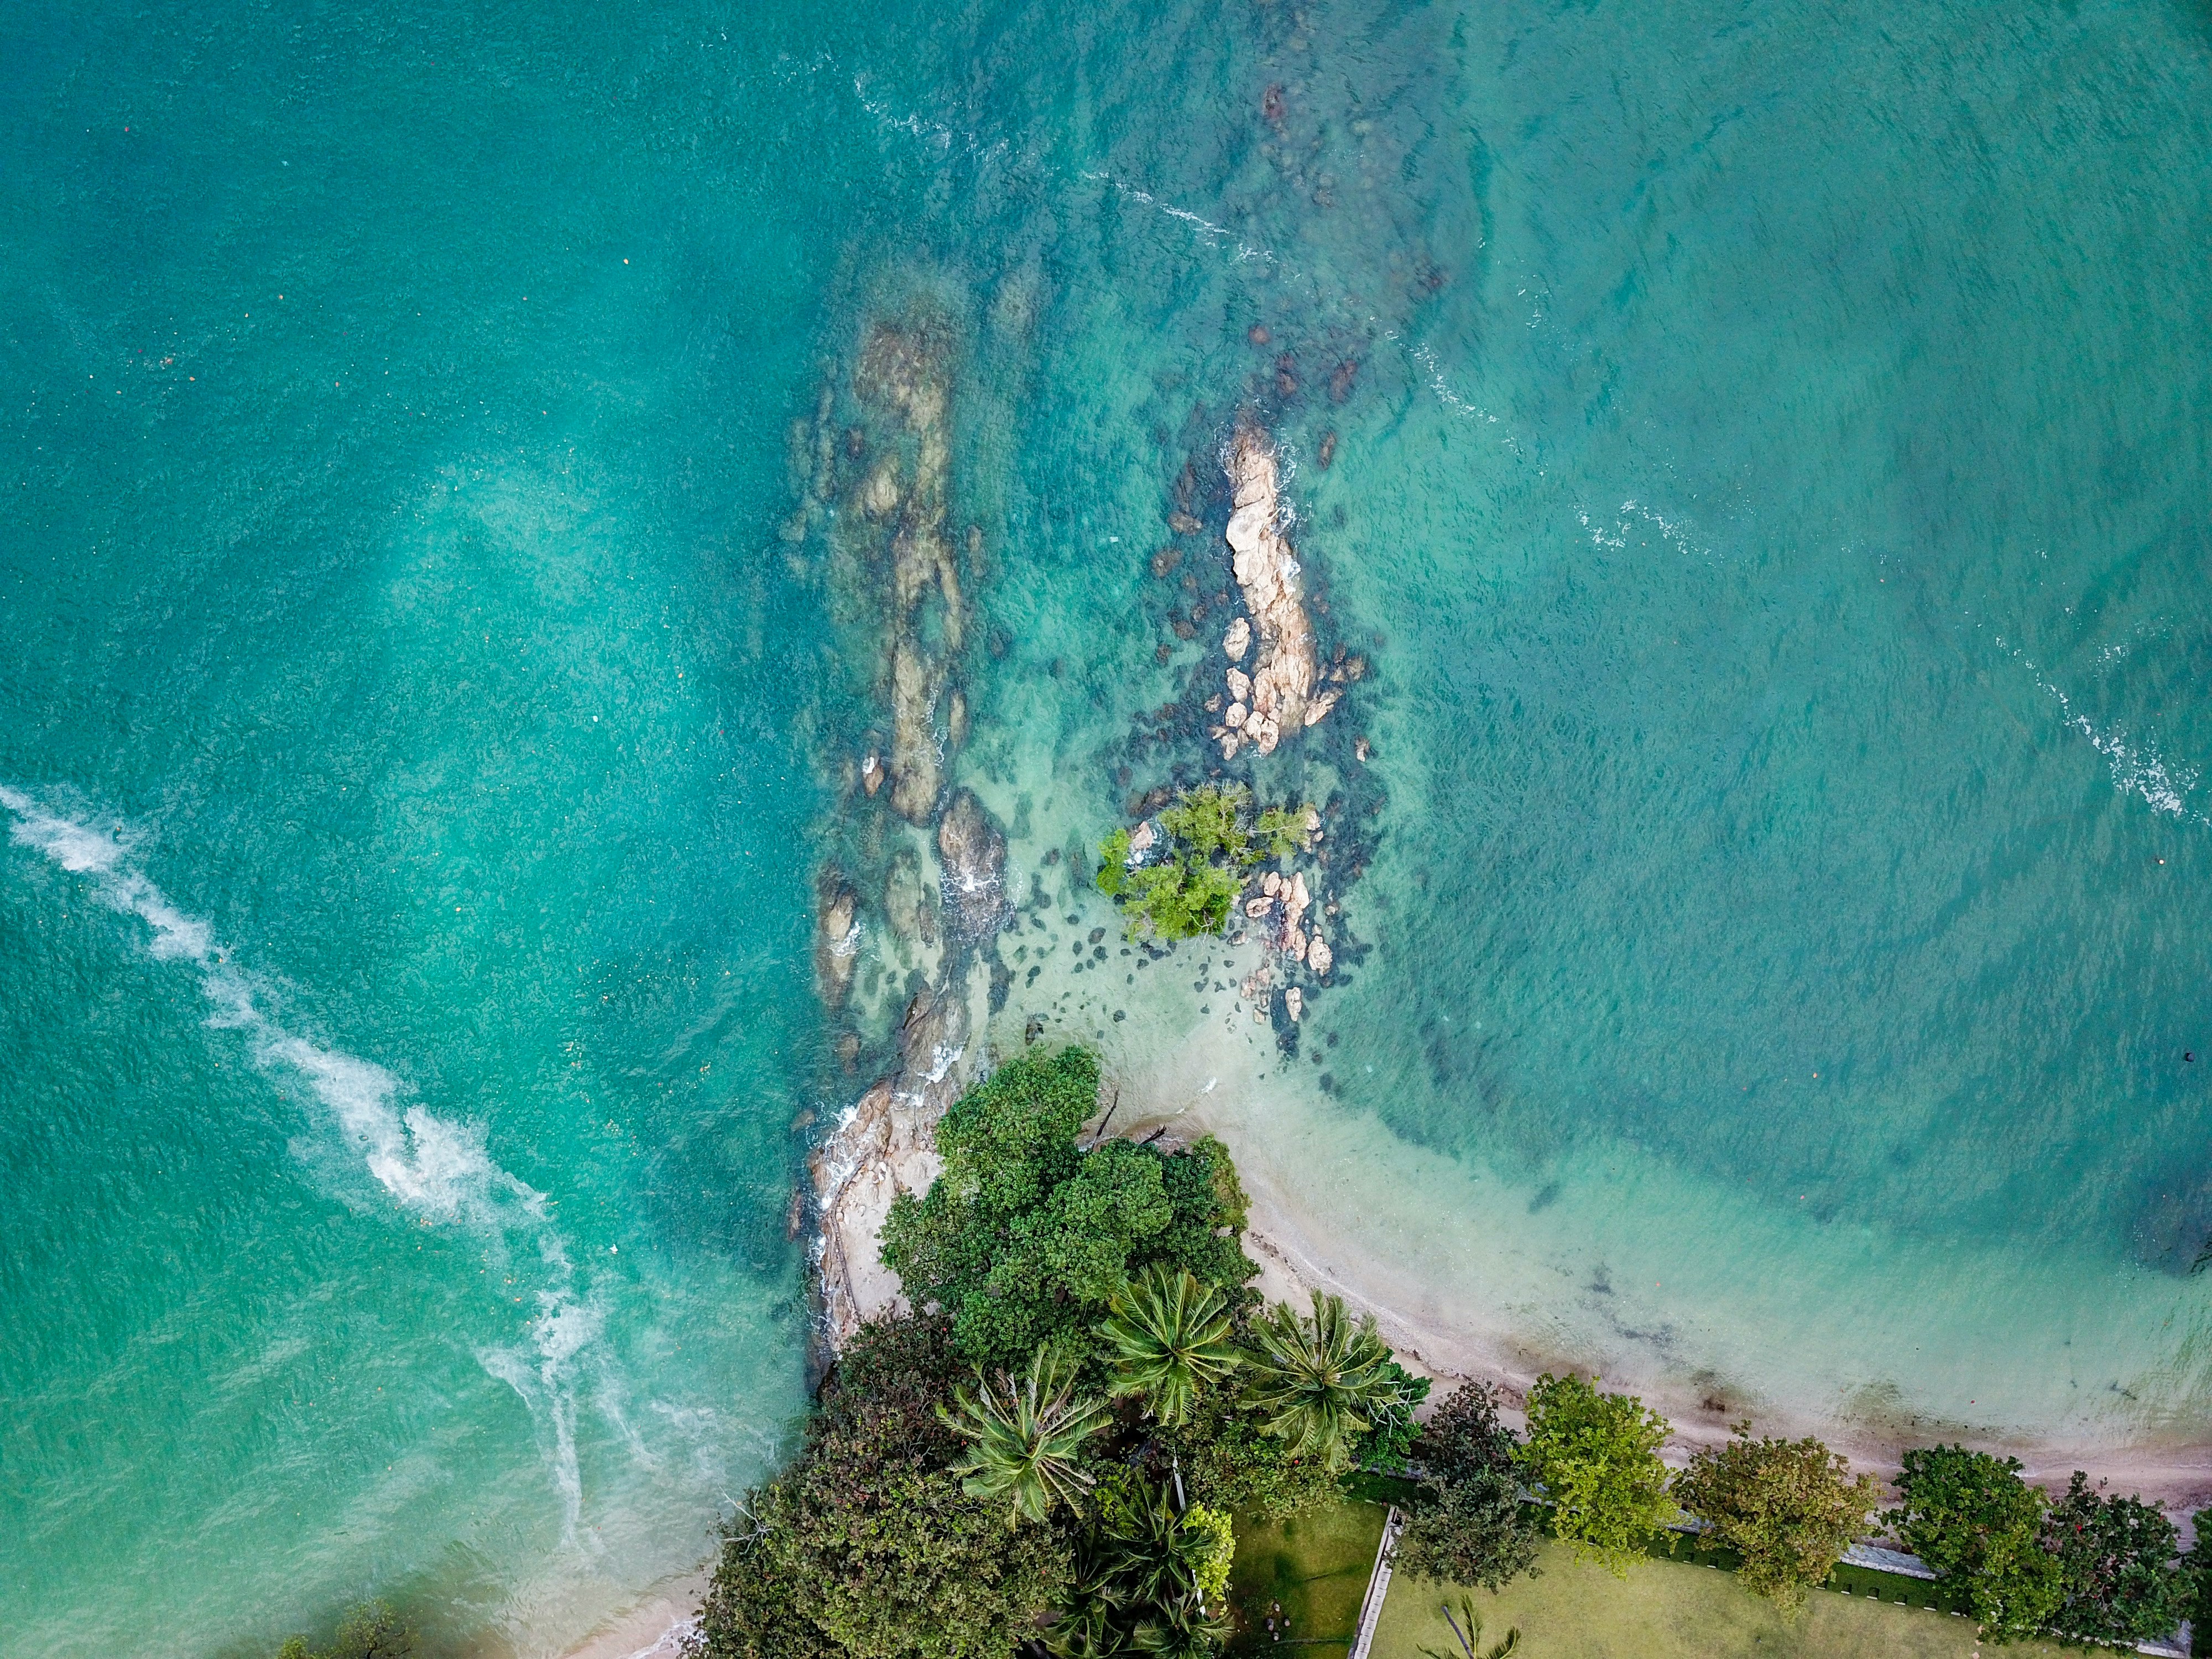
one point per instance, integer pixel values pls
(1470, 1639)
(1024, 1438)
(1169, 1335)
(1320, 1381)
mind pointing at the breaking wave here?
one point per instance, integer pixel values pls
(432, 1167)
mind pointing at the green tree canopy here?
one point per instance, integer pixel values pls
(1025, 1237)
(2116, 1561)
(371, 1631)
(1469, 1525)
(2195, 1578)
(1167, 1338)
(866, 1546)
(1596, 1457)
(1320, 1383)
(1213, 844)
(1464, 1436)
(1972, 1517)
(1789, 1508)
(1230, 1461)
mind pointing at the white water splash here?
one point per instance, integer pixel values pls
(431, 1166)
(2137, 767)
(1616, 535)
(1206, 228)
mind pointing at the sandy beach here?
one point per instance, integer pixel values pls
(653, 1629)
(1477, 1293)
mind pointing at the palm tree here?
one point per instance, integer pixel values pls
(1025, 1438)
(1169, 1335)
(1185, 1630)
(1469, 1638)
(1153, 1554)
(1321, 1380)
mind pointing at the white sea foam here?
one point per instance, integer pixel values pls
(1205, 228)
(433, 1167)
(2137, 767)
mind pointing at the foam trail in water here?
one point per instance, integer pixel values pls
(430, 1165)
(2138, 768)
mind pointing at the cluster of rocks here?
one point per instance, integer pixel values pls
(1287, 690)
(875, 495)
(1278, 914)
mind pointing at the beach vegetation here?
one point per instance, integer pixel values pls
(1025, 1238)
(1391, 1429)
(1051, 1448)
(1970, 1517)
(1025, 1439)
(1168, 1336)
(1789, 1507)
(868, 1542)
(1319, 1383)
(1215, 841)
(370, 1630)
(1596, 1457)
(1114, 864)
(1470, 1523)
(1229, 1461)
(2195, 1577)
(1476, 1530)
(2117, 1581)
(1153, 1577)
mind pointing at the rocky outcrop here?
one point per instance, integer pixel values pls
(883, 1147)
(974, 854)
(836, 938)
(1286, 665)
(894, 586)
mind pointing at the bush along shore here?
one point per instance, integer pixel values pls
(1051, 1453)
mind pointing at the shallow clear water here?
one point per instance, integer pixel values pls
(1769, 494)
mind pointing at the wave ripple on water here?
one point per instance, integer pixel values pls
(433, 1167)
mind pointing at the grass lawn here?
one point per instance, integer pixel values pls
(1315, 1567)
(1672, 1610)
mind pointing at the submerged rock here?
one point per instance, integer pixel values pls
(917, 772)
(836, 938)
(975, 858)
(906, 900)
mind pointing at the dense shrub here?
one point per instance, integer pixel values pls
(1789, 1507)
(1214, 842)
(1469, 1524)
(1230, 1462)
(866, 1544)
(1025, 1237)
(1388, 1442)
(1596, 1457)
(1464, 1436)
(2116, 1562)
(2196, 1586)
(1970, 1515)
(1472, 1531)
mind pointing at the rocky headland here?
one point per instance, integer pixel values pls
(911, 889)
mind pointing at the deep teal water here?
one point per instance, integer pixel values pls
(1771, 494)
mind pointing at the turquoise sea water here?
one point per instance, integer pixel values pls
(1771, 494)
